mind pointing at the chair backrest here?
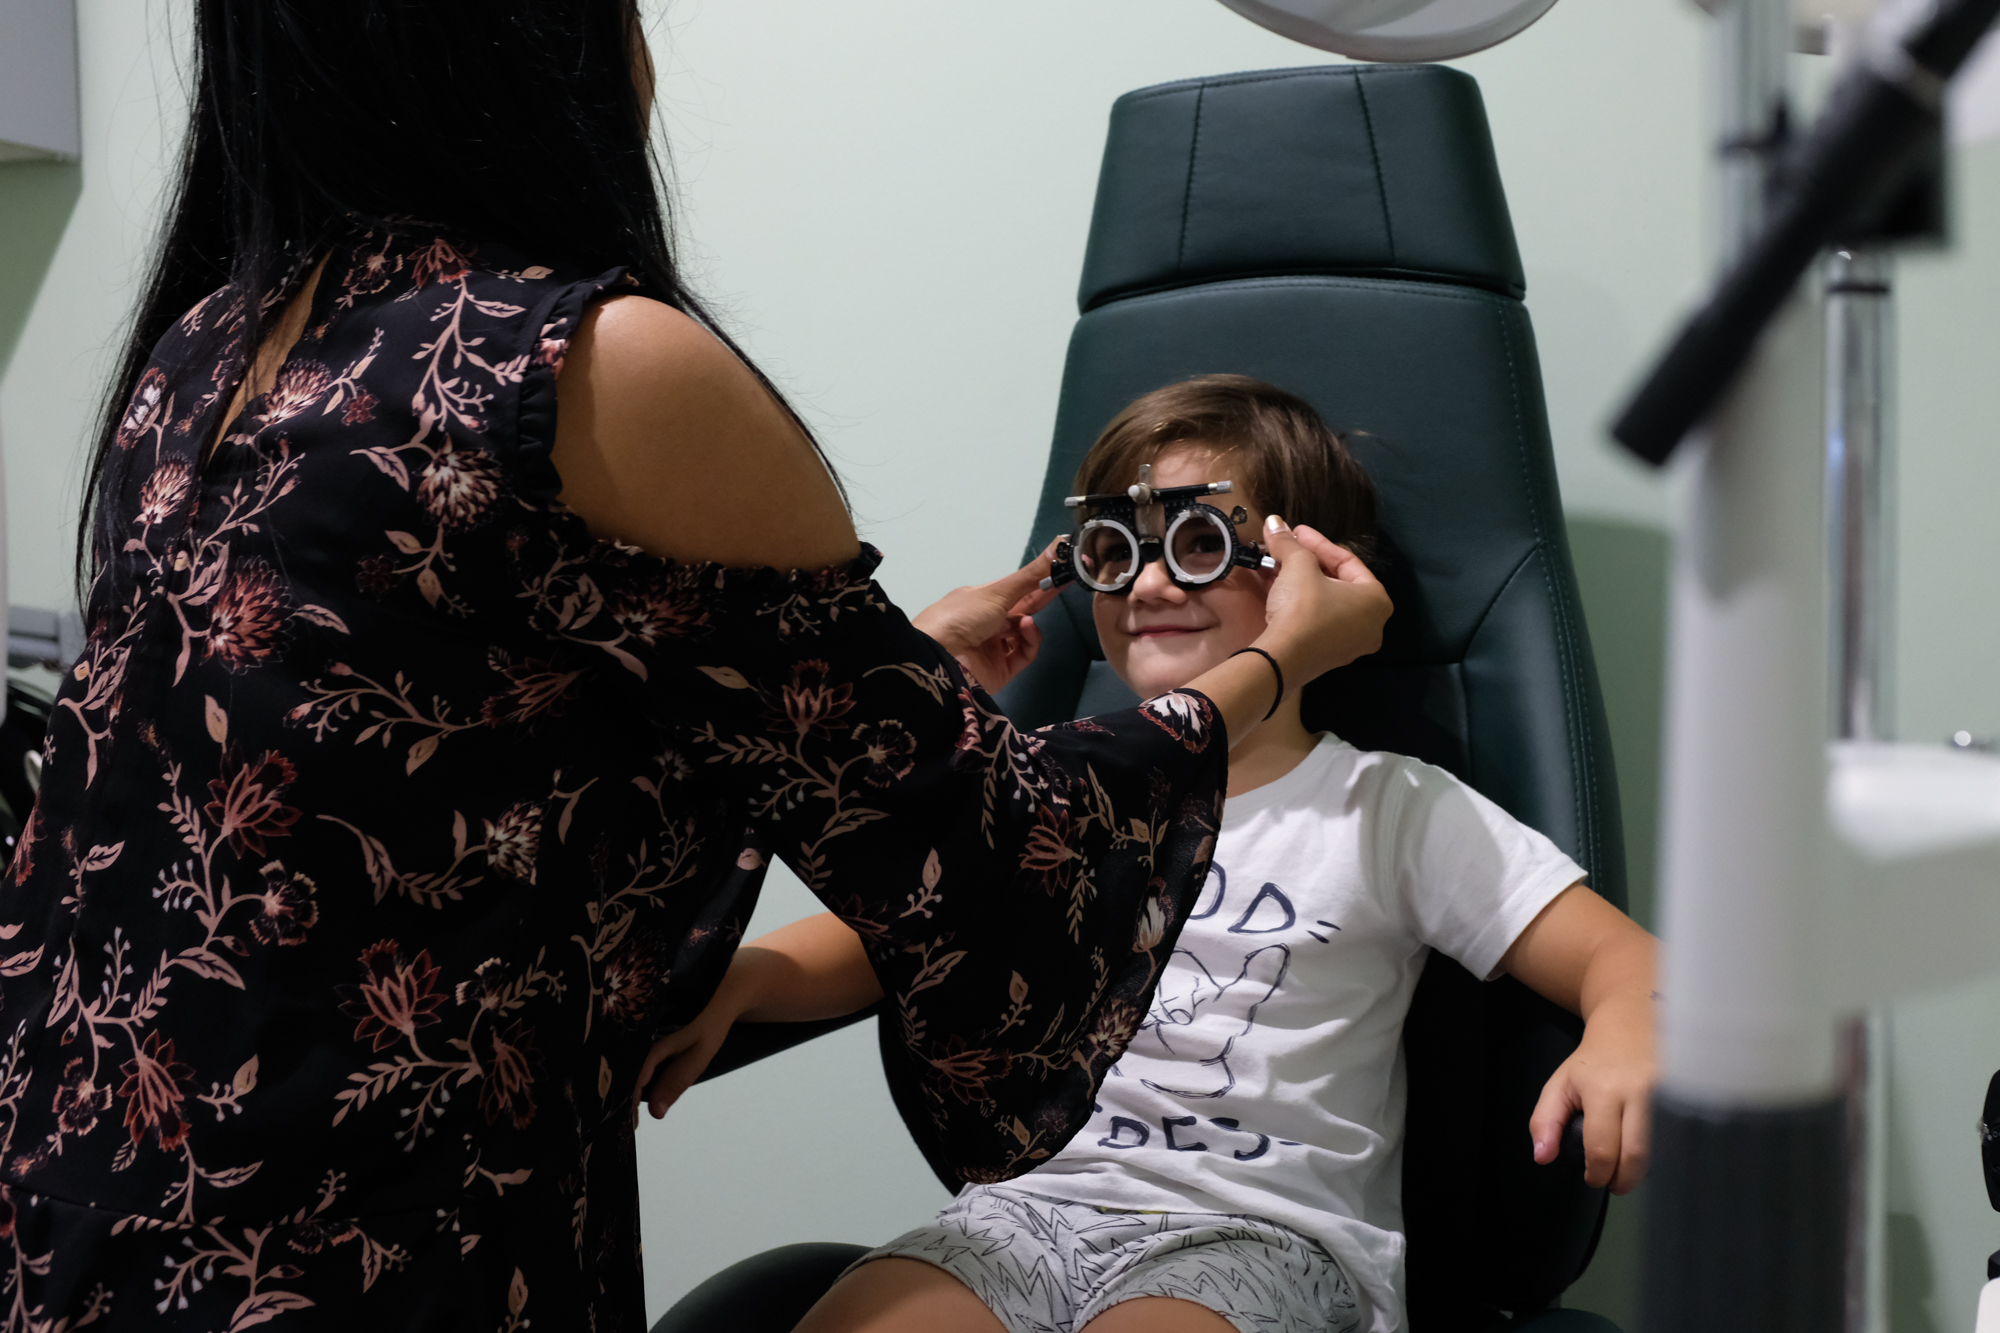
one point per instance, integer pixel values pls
(1341, 232)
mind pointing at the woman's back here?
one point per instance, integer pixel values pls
(332, 695)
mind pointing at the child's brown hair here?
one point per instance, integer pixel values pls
(1269, 442)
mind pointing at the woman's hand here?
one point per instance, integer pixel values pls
(990, 627)
(1325, 608)
(1322, 610)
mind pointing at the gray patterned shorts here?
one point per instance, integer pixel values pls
(1046, 1265)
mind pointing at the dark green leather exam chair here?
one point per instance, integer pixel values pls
(1342, 232)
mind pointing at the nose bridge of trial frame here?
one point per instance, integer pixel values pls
(1151, 505)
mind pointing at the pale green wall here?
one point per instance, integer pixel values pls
(889, 198)
(61, 301)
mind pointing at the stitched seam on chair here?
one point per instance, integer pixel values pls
(1479, 625)
(1576, 734)
(1268, 76)
(1187, 195)
(1371, 274)
(1535, 512)
(1486, 612)
(1586, 827)
(1440, 290)
(1574, 723)
(1375, 155)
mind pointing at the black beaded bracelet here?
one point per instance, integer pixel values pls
(1278, 670)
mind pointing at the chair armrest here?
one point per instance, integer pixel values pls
(749, 1042)
(766, 1293)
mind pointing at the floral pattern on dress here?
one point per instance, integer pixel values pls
(388, 816)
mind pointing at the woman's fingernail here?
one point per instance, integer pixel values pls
(1274, 524)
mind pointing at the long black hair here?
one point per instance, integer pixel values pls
(514, 121)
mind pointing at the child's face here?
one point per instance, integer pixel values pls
(1160, 636)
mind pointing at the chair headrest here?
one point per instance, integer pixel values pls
(1238, 176)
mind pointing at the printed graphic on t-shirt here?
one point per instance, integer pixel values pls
(1233, 957)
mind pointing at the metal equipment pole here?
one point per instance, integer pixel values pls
(1745, 1221)
(1859, 496)
(1860, 474)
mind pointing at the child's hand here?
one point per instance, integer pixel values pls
(679, 1058)
(811, 969)
(1609, 1079)
(1591, 959)
(990, 627)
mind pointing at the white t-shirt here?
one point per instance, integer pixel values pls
(1268, 1076)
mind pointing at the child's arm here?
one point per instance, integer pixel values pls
(811, 969)
(1589, 957)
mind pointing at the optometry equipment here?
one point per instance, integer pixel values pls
(1802, 885)
(1396, 30)
(1126, 530)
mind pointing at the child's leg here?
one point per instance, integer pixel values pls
(900, 1296)
(1157, 1314)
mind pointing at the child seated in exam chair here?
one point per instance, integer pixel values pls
(1242, 1168)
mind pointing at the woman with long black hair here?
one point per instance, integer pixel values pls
(444, 701)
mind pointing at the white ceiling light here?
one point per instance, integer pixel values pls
(1395, 30)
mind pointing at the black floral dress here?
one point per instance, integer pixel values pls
(388, 817)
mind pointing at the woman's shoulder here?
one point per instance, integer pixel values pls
(643, 356)
(667, 440)
(635, 415)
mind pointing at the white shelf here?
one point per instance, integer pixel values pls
(38, 101)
